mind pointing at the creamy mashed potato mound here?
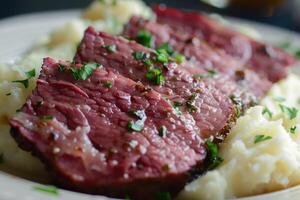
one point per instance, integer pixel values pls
(251, 168)
(61, 44)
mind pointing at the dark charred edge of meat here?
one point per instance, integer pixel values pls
(143, 189)
(135, 190)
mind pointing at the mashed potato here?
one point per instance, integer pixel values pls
(60, 44)
(251, 168)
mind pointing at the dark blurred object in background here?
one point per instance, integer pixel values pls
(282, 13)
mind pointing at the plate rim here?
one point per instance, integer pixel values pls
(69, 195)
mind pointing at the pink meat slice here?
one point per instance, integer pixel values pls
(80, 130)
(265, 59)
(214, 110)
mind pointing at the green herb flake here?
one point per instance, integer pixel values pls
(8, 94)
(18, 110)
(293, 129)
(290, 112)
(148, 62)
(135, 126)
(139, 124)
(24, 82)
(162, 131)
(279, 99)
(213, 158)
(297, 54)
(285, 45)
(268, 112)
(162, 56)
(138, 113)
(209, 74)
(163, 196)
(107, 84)
(166, 47)
(47, 117)
(261, 138)
(155, 75)
(49, 189)
(145, 38)
(1, 158)
(85, 71)
(111, 48)
(179, 58)
(30, 74)
(139, 55)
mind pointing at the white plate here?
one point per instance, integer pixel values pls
(17, 34)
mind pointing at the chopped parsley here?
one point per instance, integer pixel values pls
(107, 84)
(30, 74)
(166, 47)
(8, 94)
(18, 110)
(47, 189)
(162, 131)
(111, 48)
(155, 75)
(138, 113)
(190, 104)
(285, 45)
(139, 55)
(139, 124)
(162, 56)
(290, 112)
(279, 99)
(164, 52)
(293, 129)
(145, 38)
(268, 112)
(210, 74)
(179, 58)
(48, 117)
(1, 158)
(148, 62)
(81, 73)
(85, 71)
(135, 126)
(163, 196)
(261, 138)
(177, 104)
(297, 54)
(212, 152)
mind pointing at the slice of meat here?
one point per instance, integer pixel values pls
(234, 77)
(265, 59)
(207, 106)
(80, 130)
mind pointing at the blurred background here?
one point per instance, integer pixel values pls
(282, 13)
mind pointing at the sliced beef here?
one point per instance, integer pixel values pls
(267, 60)
(211, 110)
(234, 77)
(79, 128)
